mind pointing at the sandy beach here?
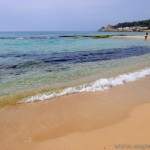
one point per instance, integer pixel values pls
(82, 121)
(74, 75)
(132, 37)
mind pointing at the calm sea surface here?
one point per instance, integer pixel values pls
(36, 61)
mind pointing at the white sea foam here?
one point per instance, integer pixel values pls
(98, 85)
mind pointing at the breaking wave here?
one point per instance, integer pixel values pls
(99, 85)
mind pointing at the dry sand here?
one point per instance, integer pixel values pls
(86, 121)
(132, 36)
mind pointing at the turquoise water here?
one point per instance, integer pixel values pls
(33, 61)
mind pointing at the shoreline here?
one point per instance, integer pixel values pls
(97, 85)
(80, 121)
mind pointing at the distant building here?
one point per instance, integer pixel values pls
(110, 28)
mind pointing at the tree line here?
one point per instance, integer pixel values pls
(143, 23)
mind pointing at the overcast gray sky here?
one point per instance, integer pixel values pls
(69, 15)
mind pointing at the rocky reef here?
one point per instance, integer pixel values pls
(85, 36)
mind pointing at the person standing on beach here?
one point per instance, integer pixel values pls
(146, 36)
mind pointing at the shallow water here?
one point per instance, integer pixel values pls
(33, 61)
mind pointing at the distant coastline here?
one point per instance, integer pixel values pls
(136, 26)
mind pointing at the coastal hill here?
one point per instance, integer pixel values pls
(139, 26)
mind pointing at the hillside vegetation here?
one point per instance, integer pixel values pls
(143, 23)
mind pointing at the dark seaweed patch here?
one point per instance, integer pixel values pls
(38, 60)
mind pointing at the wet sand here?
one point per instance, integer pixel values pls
(82, 121)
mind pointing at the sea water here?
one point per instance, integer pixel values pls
(42, 61)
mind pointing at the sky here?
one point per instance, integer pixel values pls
(69, 15)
